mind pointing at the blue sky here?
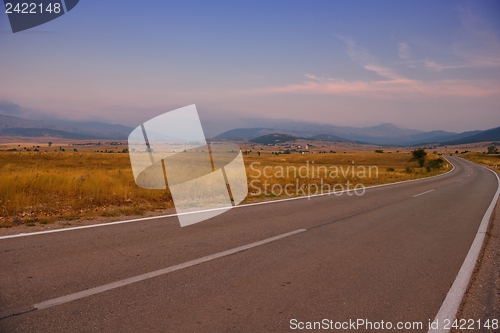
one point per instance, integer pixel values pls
(423, 64)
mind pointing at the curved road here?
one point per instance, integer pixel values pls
(391, 254)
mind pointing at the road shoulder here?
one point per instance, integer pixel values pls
(482, 299)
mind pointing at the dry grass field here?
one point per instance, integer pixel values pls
(490, 160)
(329, 171)
(39, 187)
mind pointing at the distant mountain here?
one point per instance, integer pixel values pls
(240, 134)
(384, 134)
(42, 132)
(84, 130)
(274, 138)
(99, 125)
(488, 135)
(447, 138)
(328, 137)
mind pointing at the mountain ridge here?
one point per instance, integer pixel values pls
(492, 134)
(64, 129)
(385, 134)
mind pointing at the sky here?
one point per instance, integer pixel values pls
(425, 65)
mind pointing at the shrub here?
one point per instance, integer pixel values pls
(436, 163)
(492, 150)
(418, 153)
(380, 151)
(390, 169)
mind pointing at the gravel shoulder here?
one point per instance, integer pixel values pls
(482, 299)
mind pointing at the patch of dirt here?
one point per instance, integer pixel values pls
(20, 229)
(482, 299)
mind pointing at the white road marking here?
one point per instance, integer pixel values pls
(449, 308)
(447, 311)
(417, 195)
(92, 291)
(203, 211)
(459, 180)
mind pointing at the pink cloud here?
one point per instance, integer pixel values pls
(396, 88)
(393, 86)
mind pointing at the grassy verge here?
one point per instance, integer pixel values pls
(489, 160)
(43, 187)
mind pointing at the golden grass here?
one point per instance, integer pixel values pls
(489, 160)
(42, 187)
(48, 186)
(328, 171)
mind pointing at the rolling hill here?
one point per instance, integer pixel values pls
(42, 132)
(274, 138)
(383, 135)
(488, 135)
(329, 137)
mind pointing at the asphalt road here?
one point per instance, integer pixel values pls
(391, 254)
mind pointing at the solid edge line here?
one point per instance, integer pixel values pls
(215, 209)
(453, 299)
(97, 290)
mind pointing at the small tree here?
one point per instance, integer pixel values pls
(492, 150)
(50, 143)
(419, 156)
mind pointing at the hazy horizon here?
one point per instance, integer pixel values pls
(213, 127)
(420, 65)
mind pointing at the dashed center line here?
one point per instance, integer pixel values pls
(416, 195)
(97, 290)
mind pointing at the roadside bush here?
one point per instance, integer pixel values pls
(492, 150)
(436, 163)
(390, 169)
(380, 151)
